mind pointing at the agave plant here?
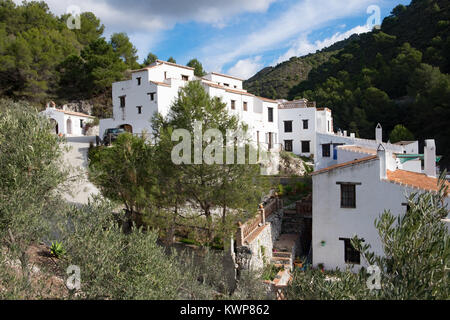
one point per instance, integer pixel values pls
(57, 249)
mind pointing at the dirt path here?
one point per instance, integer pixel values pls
(82, 189)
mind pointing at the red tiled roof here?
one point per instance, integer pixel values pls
(78, 114)
(414, 180)
(345, 164)
(359, 149)
(267, 99)
(160, 83)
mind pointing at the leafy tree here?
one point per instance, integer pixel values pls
(400, 133)
(198, 68)
(103, 65)
(172, 60)
(151, 58)
(124, 172)
(31, 172)
(125, 49)
(208, 186)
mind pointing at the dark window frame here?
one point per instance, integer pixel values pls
(233, 104)
(245, 105)
(351, 255)
(152, 95)
(184, 77)
(289, 143)
(348, 194)
(308, 148)
(139, 81)
(305, 124)
(139, 108)
(122, 101)
(270, 114)
(326, 150)
(288, 128)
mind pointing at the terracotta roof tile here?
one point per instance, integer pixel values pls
(345, 164)
(72, 113)
(359, 149)
(414, 180)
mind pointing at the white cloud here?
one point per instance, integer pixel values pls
(301, 18)
(153, 15)
(302, 46)
(246, 68)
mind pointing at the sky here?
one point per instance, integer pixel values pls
(236, 37)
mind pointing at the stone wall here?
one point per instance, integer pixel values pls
(260, 244)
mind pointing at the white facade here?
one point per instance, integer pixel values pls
(155, 88)
(327, 145)
(67, 122)
(299, 124)
(379, 184)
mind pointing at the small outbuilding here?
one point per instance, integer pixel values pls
(67, 122)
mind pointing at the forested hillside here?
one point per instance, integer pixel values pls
(395, 75)
(276, 82)
(42, 59)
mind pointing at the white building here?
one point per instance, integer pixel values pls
(328, 144)
(154, 89)
(349, 195)
(299, 123)
(67, 122)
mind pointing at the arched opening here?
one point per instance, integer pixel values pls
(54, 125)
(127, 128)
(69, 126)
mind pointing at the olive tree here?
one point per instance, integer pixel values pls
(31, 171)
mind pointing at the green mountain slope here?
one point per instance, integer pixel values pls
(396, 75)
(276, 82)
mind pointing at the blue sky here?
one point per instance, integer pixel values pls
(237, 37)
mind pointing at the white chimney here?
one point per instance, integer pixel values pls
(345, 133)
(430, 158)
(352, 135)
(379, 134)
(381, 153)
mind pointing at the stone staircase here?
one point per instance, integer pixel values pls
(284, 251)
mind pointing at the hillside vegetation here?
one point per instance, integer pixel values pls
(395, 75)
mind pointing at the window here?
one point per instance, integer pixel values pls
(257, 138)
(351, 255)
(305, 124)
(288, 126)
(139, 79)
(152, 96)
(348, 195)
(139, 109)
(165, 74)
(270, 114)
(184, 78)
(306, 147)
(326, 150)
(226, 84)
(329, 130)
(81, 123)
(122, 101)
(245, 106)
(288, 145)
(233, 105)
